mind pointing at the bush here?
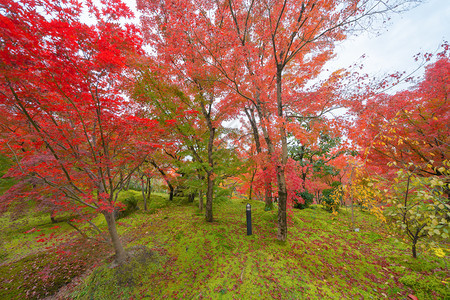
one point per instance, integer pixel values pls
(131, 205)
(418, 208)
(306, 196)
(332, 197)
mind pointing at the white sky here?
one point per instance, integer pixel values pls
(422, 29)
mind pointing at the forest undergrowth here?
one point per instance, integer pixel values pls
(177, 255)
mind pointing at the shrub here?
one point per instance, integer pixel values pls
(131, 205)
(418, 208)
(307, 197)
(332, 197)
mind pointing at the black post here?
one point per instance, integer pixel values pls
(249, 219)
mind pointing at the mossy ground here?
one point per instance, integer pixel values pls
(192, 259)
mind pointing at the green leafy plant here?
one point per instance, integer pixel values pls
(307, 198)
(418, 207)
(332, 197)
(130, 205)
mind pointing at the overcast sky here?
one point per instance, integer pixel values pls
(422, 29)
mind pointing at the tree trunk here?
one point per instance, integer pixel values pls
(250, 192)
(52, 216)
(200, 200)
(267, 194)
(149, 192)
(281, 179)
(144, 192)
(118, 248)
(171, 191)
(282, 205)
(351, 200)
(268, 190)
(414, 253)
(191, 197)
(209, 198)
(210, 172)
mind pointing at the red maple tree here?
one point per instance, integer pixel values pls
(67, 124)
(409, 126)
(265, 52)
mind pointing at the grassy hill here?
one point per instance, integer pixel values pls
(177, 255)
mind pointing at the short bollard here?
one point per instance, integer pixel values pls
(249, 219)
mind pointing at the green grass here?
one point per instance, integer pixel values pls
(5, 183)
(189, 258)
(321, 259)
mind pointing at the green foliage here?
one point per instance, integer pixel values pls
(307, 197)
(419, 209)
(425, 285)
(319, 154)
(5, 183)
(331, 198)
(222, 194)
(190, 258)
(131, 205)
(218, 261)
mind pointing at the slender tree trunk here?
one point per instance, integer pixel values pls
(414, 243)
(414, 253)
(209, 197)
(415, 238)
(149, 192)
(52, 216)
(171, 191)
(210, 175)
(111, 222)
(144, 192)
(267, 194)
(210, 172)
(250, 192)
(281, 179)
(351, 200)
(118, 248)
(191, 197)
(267, 187)
(200, 200)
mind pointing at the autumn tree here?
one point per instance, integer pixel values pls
(266, 52)
(166, 170)
(405, 146)
(409, 126)
(182, 86)
(145, 176)
(417, 207)
(320, 145)
(67, 125)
